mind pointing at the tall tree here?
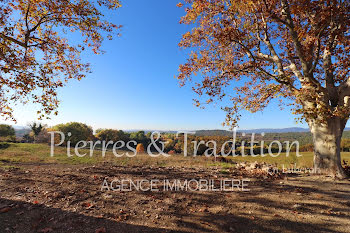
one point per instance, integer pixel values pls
(79, 132)
(296, 51)
(40, 46)
(7, 130)
(36, 128)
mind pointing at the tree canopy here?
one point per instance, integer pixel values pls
(270, 49)
(40, 46)
(111, 135)
(36, 128)
(7, 130)
(79, 132)
(295, 51)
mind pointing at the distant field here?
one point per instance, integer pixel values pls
(40, 154)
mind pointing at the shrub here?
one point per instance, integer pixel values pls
(140, 148)
(111, 135)
(307, 148)
(172, 152)
(79, 131)
(8, 139)
(138, 136)
(169, 145)
(27, 138)
(4, 145)
(36, 128)
(7, 133)
(43, 137)
(345, 145)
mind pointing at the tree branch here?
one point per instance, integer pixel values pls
(12, 40)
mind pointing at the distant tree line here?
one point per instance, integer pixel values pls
(39, 133)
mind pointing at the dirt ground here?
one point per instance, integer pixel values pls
(68, 198)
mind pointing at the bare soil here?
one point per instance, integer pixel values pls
(68, 198)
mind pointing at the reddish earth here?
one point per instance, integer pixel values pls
(68, 198)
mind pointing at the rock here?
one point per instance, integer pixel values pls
(254, 165)
(107, 196)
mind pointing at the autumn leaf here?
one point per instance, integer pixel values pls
(45, 230)
(100, 230)
(179, 4)
(251, 53)
(37, 53)
(5, 209)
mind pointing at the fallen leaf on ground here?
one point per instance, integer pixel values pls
(86, 204)
(101, 230)
(45, 230)
(5, 209)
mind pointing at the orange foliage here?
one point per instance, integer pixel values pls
(140, 148)
(293, 50)
(37, 50)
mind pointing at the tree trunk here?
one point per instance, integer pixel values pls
(327, 138)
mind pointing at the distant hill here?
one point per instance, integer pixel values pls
(219, 132)
(257, 131)
(21, 130)
(282, 130)
(215, 132)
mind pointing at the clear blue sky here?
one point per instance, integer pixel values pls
(133, 84)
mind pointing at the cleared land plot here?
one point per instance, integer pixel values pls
(59, 194)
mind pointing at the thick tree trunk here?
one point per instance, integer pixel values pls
(327, 138)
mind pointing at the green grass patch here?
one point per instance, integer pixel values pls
(17, 153)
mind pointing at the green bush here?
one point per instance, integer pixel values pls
(138, 136)
(7, 133)
(79, 131)
(111, 135)
(4, 145)
(8, 139)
